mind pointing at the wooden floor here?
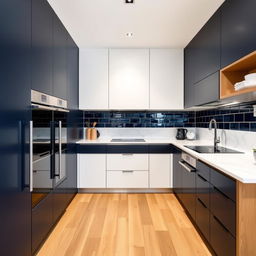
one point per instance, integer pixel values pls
(124, 224)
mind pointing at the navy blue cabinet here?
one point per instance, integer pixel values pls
(42, 46)
(59, 59)
(15, 207)
(207, 90)
(202, 63)
(237, 30)
(206, 45)
(177, 175)
(189, 61)
(73, 125)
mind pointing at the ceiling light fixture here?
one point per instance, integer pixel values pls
(129, 34)
(129, 1)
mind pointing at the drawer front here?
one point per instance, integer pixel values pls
(224, 184)
(224, 209)
(203, 170)
(203, 218)
(220, 239)
(133, 162)
(127, 179)
(203, 190)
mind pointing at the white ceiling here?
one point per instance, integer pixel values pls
(154, 23)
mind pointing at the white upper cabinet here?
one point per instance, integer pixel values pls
(93, 75)
(166, 79)
(129, 79)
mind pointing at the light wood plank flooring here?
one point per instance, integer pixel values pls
(124, 224)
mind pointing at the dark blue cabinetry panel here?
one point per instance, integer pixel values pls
(202, 62)
(59, 59)
(15, 208)
(189, 61)
(207, 90)
(206, 45)
(42, 46)
(238, 24)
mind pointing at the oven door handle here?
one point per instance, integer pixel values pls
(31, 156)
(60, 148)
(187, 167)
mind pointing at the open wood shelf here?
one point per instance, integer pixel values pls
(234, 73)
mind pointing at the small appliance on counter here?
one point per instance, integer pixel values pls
(191, 135)
(181, 134)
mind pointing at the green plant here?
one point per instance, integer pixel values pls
(254, 150)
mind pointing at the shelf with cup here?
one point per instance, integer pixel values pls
(238, 72)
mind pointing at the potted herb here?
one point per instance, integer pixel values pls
(254, 153)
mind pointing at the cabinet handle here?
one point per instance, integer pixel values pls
(221, 192)
(185, 166)
(127, 171)
(201, 202)
(201, 177)
(221, 224)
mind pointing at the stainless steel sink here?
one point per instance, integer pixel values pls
(212, 150)
(128, 140)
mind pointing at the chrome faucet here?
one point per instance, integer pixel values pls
(216, 139)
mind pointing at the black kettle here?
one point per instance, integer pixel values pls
(181, 134)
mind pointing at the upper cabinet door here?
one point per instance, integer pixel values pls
(60, 36)
(189, 94)
(166, 79)
(238, 30)
(206, 45)
(93, 79)
(42, 46)
(72, 73)
(129, 79)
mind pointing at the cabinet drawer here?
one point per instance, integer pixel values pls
(127, 179)
(220, 239)
(224, 209)
(224, 184)
(203, 170)
(203, 190)
(127, 161)
(203, 218)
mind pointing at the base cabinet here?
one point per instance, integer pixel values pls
(160, 175)
(91, 171)
(221, 240)
(209, 198)
(127, 179)
(125, 167)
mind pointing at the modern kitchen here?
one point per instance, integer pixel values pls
(128, 127)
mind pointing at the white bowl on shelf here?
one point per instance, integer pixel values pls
(251, 76)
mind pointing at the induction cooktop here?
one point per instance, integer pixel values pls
(128, 140)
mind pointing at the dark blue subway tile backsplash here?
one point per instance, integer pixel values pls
(239, 117)
(139, 119)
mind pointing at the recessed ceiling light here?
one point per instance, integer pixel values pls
(129, 34)
(129, 1)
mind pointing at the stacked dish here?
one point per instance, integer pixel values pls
(250, 81)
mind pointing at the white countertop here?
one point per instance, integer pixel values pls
(241, 167)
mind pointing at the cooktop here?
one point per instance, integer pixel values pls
(128, 140)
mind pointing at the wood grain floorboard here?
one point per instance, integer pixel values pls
(124, 225)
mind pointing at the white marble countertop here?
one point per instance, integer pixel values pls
(241, 167)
